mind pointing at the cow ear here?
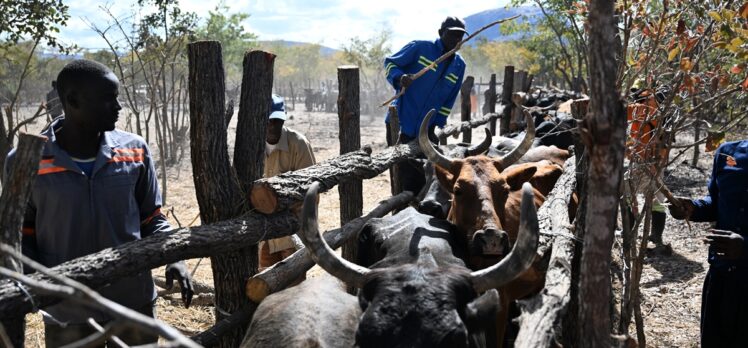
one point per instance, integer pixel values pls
(480, 314)
(517, 175)
(447, 177)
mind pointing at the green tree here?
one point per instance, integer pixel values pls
(37, 20)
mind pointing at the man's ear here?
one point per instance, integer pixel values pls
(447, 177)
(71, 100)
(517, 175)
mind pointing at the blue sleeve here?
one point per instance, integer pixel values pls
(394, 63)
(706, 207)
(148, 197)
(446, 107)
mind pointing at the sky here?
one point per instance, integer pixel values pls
(328, 22)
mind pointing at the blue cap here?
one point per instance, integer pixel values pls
(278, 108)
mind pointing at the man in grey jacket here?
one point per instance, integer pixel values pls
(96, 188)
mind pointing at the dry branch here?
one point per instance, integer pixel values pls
(79, 293)
(541, 313)
(96, 270)
(454, 130)
(287, 190)
(282, 274)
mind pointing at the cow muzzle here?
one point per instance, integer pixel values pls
(490, 242)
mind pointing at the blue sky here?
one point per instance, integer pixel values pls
(328, 22)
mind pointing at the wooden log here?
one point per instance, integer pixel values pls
(287, 190)
(491, 100)
(520, 78)
(451, 130)
(98, 269)
(394, 134)
(13, 201)
(282, 274)
(541, 313)
(506, 99)
(349, 121)
(466, 106)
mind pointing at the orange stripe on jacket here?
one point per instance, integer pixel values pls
(148, 220)
(126, 159)
(50, 170)
(133, 150)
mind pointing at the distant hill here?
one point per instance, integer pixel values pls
(478, 20)
(323, 49)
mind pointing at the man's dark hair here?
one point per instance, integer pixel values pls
(77, 72)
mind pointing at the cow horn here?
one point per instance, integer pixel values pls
(350, 273)
(482, 147)
(428, 148)
(522, 254)
(525, 145)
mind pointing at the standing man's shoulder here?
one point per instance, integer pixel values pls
(295, 136)
(126, 139)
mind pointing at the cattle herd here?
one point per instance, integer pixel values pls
(441, 273)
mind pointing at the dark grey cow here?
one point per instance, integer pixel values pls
(316, 313)
(418, 293)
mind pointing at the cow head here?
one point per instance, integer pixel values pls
(435, 200)
(417, 303)
(481, 188)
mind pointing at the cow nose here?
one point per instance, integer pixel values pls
(432, 208)
(490, 242)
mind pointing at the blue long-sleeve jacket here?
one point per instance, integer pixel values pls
(437, 89)
(727, 201)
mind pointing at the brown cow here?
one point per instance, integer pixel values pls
(485, 208)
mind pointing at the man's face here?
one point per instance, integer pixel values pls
(93, 104)
(450, 38)
(273, 133)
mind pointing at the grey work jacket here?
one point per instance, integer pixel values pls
(70, 215)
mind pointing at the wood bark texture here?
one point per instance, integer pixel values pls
(542, 313)
(98, 269)
(349, 122)
(394, 128)
(466, 107)
(15, 195)
(604, 130)
(507, 88)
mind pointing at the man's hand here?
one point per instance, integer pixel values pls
(681, 209)
(406, 80)
(178, 271)
(726, 243)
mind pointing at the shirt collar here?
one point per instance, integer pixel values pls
(282, 144)
(106, 147)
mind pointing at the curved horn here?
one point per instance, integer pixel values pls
(522, 254)
(350, 273)
(482, 147)
(428, 148)
(525, 145)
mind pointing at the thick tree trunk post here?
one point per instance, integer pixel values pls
(528, 82)
(394, 134)
(466, 106)
(293, 96)
(349, 118)
(520, 78)
(605, 132)
(15, 195)
(216, 184)
(491, 102)
(696, 149)
(5, 144)
(506, 99)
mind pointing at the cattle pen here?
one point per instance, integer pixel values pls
(239, 209)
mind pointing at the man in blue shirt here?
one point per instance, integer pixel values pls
(437, 89)
(724, 306)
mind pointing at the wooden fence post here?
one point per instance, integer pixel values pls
(394, 134)
(217, 187)
(15, 195)
(491, 101)
(466, 106)
(520, 79)
(349, 118)
(507, 88)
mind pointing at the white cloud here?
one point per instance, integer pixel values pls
(329, 22)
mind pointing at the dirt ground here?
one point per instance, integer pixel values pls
(671, 285)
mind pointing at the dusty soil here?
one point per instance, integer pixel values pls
(671, 285)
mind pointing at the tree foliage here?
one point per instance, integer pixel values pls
(36, 20)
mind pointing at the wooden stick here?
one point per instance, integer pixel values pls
(447, 55)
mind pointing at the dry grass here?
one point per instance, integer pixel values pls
(671, 286)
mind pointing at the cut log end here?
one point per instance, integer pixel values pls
(263, 199)
(257, 289)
